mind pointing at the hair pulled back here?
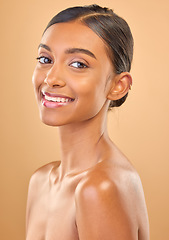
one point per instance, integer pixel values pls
(113, 30)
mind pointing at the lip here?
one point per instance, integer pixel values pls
(56, 95)
(46, 101)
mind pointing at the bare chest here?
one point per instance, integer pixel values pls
(52, 215)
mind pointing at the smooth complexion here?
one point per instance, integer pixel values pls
(93, 193)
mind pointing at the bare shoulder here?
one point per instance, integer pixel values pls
(109, 178)
(38, 180)
(40, 175)
(111, 198)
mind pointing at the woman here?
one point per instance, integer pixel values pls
(93, 193)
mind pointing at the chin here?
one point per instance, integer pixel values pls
(48, 118)
(50, 121)
(53, 120)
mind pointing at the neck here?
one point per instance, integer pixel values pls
(82, 144)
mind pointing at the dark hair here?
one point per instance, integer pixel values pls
(113, 29)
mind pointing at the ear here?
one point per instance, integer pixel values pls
(121, 84)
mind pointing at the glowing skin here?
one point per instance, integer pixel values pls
(93, 193)
(73, 74)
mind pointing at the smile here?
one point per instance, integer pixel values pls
(51, 100)
(57, 99)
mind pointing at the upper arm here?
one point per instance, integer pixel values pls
(102, 212)
(31, 195)
(35, 185)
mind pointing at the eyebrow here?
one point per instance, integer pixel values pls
(44, 46)
(80, 50)
(70, 50)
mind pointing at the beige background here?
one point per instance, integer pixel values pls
(139, 128)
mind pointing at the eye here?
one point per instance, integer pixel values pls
(78, 65)
(44, 60)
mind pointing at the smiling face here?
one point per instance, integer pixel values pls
(73, 75)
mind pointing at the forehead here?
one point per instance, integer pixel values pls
(74, 34)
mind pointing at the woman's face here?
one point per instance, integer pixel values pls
(73, 75)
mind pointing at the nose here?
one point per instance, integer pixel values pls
(54, 78)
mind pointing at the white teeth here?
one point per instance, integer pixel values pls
(56, 99)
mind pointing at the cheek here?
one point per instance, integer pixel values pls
(90, 94)
(94, 88)
(37, 79)
(87, 85)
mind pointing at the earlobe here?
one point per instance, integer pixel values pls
(121, 85)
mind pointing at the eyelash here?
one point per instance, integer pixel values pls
(45, 58)
(80, 65)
